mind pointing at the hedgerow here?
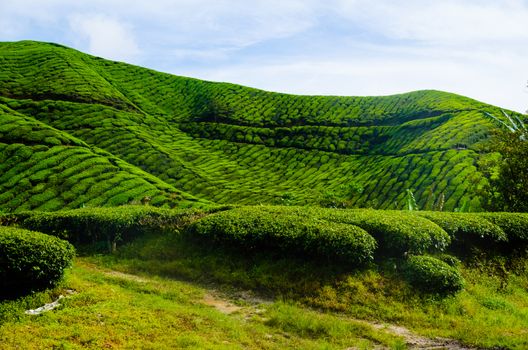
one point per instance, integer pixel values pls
(467, 229)
(108, 225)
(398, 233)
(432, 275)
(253, 229)
(352, 237)
(514, 225)
(31, 261)
(38, 175)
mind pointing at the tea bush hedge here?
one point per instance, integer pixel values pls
(255, 229)
(112, 225)
(467, 229)
(31, 260)
(514, 225)
(221, 142)
(432, 275)
(397, 232)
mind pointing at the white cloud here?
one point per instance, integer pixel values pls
(227, 22)
(447, 21)
(184, 25)
(107, 37)
(222, 22)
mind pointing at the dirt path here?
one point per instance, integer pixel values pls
(244, 303)
(415, 341)
(247, 305)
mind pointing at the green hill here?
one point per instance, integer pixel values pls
(78, 129)
(46, 169)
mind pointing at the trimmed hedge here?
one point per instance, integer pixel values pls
(31, 260)
(514, 225)
(111, 225)
(467, 229)
(397, 232)
(432, 275)
(253, 228)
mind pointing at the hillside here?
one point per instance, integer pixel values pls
(176, 139)
(45, 169)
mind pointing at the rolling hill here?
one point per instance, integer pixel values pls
(78, 130)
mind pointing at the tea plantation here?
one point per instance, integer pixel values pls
(175, 192)
(138, 133)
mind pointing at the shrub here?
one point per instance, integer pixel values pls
(111, 225)
(514, 225)
(397, 232)
(467, 229)
(254, 228)
(31, 260)
(432, 275)
(450, 260)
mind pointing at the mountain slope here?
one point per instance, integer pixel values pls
(46, 169)
(232, 144)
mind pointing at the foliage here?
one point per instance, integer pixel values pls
(411, 201)
(176, 139)
(80, 131)
(67, 173)
(514, 225)
(468, 230)
(107, 225)
(344, 197)
(483, 315)
(432, 275)
(508, 189)
(346, 235)
(398, 233)
(31, 261)
(254, 229)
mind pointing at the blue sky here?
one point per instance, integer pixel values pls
(332, 47)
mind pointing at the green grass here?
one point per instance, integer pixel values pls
(226, 143)
(149, 311)
(111, 310)
(490, 312)
(314, 301)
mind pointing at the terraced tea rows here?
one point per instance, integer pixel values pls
(45, 169)
(231, 144)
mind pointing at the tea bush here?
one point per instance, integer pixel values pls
(111, 225)
(397, 232)
(31, 260)
(253, 229)
(432, 275)
(514, 225)
(173, 138)
(467, 229)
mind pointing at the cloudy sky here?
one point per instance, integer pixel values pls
(478, 48)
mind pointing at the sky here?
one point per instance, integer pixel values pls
(477, 48)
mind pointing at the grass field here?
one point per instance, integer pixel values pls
(116, 310)
(274, 285)
(131, 301)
